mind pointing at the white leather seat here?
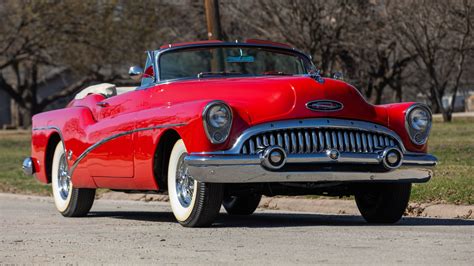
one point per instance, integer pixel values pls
(106, 89)
(121, 90)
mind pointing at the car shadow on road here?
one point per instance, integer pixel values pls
(299, 219)
(263, 219)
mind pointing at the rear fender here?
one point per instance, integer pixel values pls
(69, 125)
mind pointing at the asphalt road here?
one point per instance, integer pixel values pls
(126, 232)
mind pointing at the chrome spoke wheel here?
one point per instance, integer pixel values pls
(184, 183)
(69, 200)
(64, 180)
(193, 203)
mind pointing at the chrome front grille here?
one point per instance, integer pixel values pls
(313, 140)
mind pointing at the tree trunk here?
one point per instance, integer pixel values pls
(447, 116)
(25, 117)
(399, 95)
(378, 95)
(14, 114)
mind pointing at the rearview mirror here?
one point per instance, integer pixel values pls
(135, 73)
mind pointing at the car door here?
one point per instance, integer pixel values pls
(111, 137)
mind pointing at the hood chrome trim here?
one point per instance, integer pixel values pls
(324, 108)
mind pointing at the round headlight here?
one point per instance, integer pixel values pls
(418, 123)
(217, 118)
(419, 119)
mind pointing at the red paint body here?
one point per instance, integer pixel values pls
(126, 162)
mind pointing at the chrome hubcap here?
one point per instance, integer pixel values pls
(64, 180)
(184, 183)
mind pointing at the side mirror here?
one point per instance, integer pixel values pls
(135, 73)
(337, 75)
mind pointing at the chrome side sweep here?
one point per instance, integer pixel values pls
(101, 142)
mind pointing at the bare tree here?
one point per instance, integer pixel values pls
(440, 34)
(352, 37)
(380, 58)
(320, 28)
(96, 40)
(379, 45)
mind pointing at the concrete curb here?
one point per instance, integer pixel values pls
(296, 204)
(324, 206)
(337, 206)
(459, 115)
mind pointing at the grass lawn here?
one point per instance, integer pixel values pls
(452, 143)
(14, 147)
(453, 182)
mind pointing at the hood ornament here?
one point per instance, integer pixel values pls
(324, 106)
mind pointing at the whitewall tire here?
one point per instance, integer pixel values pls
(69, 201)
(194, 204)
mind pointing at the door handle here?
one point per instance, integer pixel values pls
(103, 104)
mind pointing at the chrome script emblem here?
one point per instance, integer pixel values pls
(324, 106)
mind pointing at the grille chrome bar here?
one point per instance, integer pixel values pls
(316, 140)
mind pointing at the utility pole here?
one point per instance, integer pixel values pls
(214, 31)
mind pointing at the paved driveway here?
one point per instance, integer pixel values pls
(137, 232)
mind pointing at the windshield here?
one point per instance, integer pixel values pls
(233, 60)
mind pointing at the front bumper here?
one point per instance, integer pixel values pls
(236, 168)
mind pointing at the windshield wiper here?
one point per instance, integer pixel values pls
(221, 73)
(276, 73)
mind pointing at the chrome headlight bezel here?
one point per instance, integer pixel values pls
(418, 136)
(217, 135)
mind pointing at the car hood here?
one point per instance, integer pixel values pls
(265, 99)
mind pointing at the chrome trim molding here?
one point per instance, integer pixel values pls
(101, 142)
(28, 166)
(171, 48)
(253, 174)
(197, 159)
(251, 168)
(407, 123)
(98, 144)
(309, 123)
(57, 130)
(206, 124)
(339, 107)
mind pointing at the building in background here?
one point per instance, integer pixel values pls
(56, 80)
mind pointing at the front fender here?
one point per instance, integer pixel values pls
(396, 122)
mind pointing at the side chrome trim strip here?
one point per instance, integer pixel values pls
(59, 132)
(101, 142)
(98, 144)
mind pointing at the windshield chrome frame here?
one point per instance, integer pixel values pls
(160, 52)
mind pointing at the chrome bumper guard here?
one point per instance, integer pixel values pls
(268, 166)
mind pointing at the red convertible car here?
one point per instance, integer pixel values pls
(217, 123)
